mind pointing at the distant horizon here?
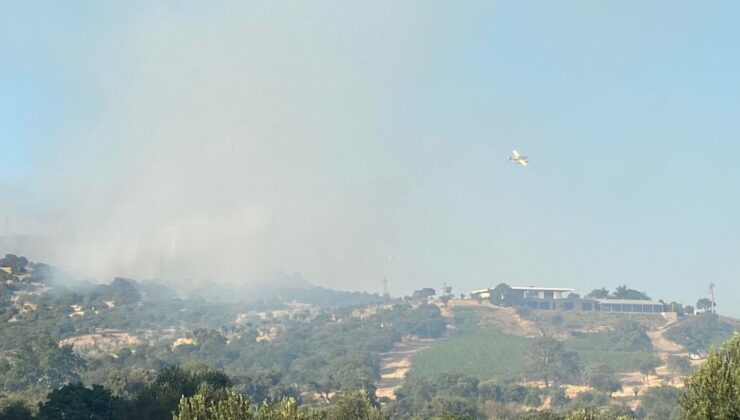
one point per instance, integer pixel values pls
(316, 283)
(236, 138)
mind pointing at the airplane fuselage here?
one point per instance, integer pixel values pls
(518, 159)
(521, 160)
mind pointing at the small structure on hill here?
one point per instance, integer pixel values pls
(532, 292)
(562, 298)
(624, 305)
(525, 293)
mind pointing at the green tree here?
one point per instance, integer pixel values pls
(602, 293)
(448, 407)
(453, 416)
(354, 405)
(43, 362)
(499, 293)
(541, 415)
(678, 365)
(75, 402)
(423, 294)
(558, 397)
(124, 291)
(623, 292)
(196, 408)
(426, 321)
(602, 378)
(17, 264)
(287, 409)
(17, 410)
(648, 367)
(593, 414)
(713, 390)
(551, 363)
(266, 386)
(630, 336)
(161, 398)
(234, 406)
(674, 307)
(704, 304)
(659, 403)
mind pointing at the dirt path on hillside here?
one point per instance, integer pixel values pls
(396, 363)
(505, 319)
(663, 348)
(662, 345)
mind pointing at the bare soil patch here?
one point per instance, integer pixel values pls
(396, 363)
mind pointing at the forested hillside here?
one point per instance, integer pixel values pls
(136, 349)
(306, 343)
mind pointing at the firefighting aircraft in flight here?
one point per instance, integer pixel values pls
(518, 158)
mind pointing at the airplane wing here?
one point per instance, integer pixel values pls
(522, 162)
(515, 154)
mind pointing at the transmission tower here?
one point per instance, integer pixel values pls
(711, 297)
(385, 285)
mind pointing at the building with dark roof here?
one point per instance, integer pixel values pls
(562, 298)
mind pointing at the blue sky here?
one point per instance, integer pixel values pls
(349, 132)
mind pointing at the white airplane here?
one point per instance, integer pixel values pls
(518, 159)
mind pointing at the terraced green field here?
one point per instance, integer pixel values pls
(483, 351)
(487, 355)
(622, 361)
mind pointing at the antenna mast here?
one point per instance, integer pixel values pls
(385, 285)
(711, 297)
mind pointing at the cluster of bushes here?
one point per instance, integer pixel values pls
(16, 264)
(320, 355)
(621, 292)
(465, 395)
(458, 396)
(180, 394)
(699, 332)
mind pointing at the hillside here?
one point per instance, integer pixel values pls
(313, 344)
(303, 342)
(481, 329)
(489, 344)
(698, 333)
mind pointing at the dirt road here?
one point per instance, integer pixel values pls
(396, 363)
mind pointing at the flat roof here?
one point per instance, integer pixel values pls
(629, 301)
(542, 289)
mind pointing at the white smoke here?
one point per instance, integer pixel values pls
(228, 145)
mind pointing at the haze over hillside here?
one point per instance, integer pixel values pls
(151, 350)
(230, 140)
(333, 210)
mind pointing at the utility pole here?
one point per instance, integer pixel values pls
(711, 297)
(385, 278)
